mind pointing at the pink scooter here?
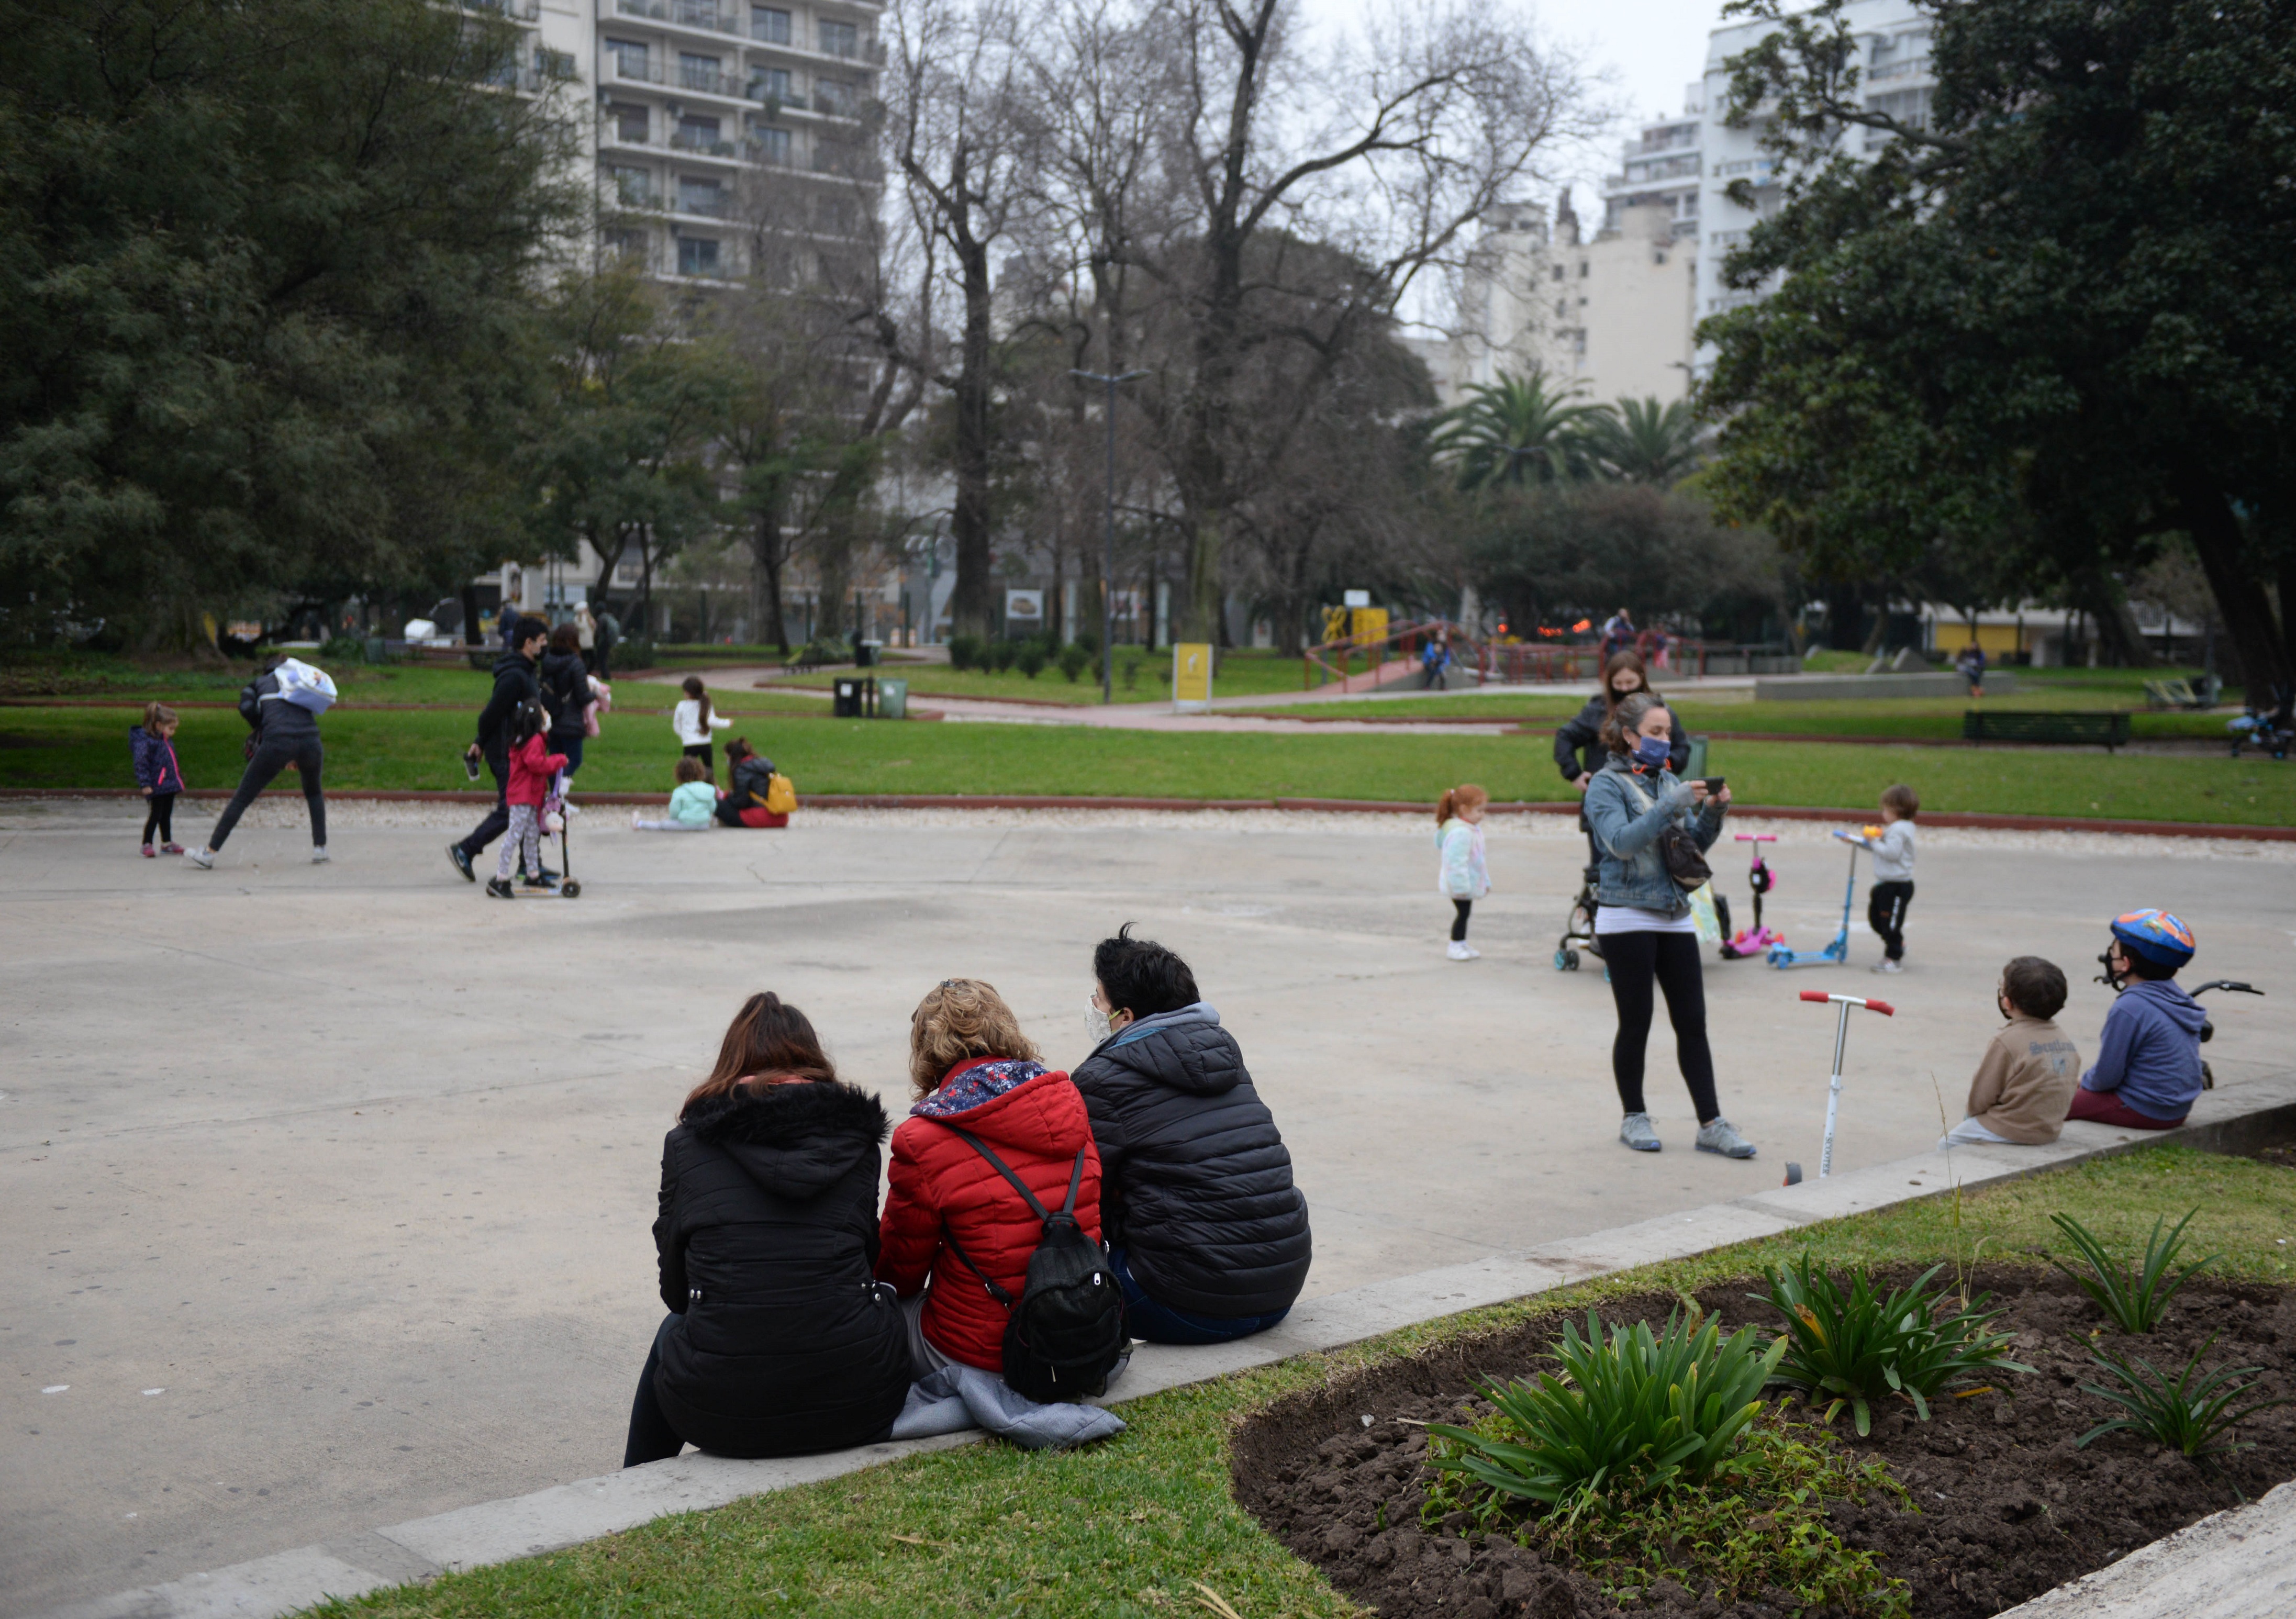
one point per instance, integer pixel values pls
(1758, 938)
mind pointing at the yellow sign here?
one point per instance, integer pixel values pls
(1370, 626)
(1192, 675)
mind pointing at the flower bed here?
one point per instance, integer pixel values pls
(1988, 1504)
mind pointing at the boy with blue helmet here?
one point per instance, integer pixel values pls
(2148, 1062)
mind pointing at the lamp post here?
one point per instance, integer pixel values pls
(1108, 575)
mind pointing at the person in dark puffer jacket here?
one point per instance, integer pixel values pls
(779, 1341)
(1206, 1232)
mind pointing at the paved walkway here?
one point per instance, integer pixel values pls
(351, 1168)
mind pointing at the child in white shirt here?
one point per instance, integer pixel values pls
(1466, 878)
(696, 725)
(1893, 874)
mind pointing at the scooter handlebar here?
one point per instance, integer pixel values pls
(1871, 1005)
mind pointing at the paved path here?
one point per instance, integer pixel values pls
(354, 1167)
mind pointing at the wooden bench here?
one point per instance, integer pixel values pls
(2090, 729)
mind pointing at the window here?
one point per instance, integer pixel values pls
(834, 96)
(629, 60)
(1558, 272)
(771, 26)
(839, 39)
(628, 119)
(697, 255)
(769, 84)
(1658, 256)
(1582, 269)
(1561, 308)
(700, 197)
(696, 134)
(626, 244)
(770, 145)
(697, 72)
(633, 187)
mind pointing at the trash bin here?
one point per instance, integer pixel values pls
(1695, 764)
(865, 653)
(854, 697)
(893, 698)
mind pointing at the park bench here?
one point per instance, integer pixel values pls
(2181, 693)
(2090, 729)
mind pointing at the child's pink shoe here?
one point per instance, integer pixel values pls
(149, 853)
(171, 848)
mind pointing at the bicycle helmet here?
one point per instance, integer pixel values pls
(2156, 936)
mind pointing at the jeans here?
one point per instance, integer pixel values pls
(161, 818)
(1885, 913)
(2106, 1109)
(272, 756)
(1671, 960)
(1144, 1318)
(571, 747)
(651, 1438)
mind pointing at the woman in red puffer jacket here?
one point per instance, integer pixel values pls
(972, 1068)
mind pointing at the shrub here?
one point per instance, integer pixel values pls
(2134, 1299)
(1860, 1346)
(1132, 673)
(1030, 658)
(630, 652)
(1075, 660)
(1002, 653)
(963, 651)
(1630, 1414)
(344, 649)
(1089, 640)
(2191, 1413)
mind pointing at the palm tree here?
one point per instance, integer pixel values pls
(1518, 430)
(1645, 442)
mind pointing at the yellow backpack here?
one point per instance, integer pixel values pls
(781, 796)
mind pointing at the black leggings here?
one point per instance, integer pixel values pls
(1885, 913)
(272, 756)
(160, 818)
(1672, 959)
(1459, 922)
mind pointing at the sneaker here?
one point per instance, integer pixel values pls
(1721, 1136)
(1459, 950)
(1635, 1130)
(202, 858)
(319, 855)
(500, 889)
(171, 848)
(461, 856)
(538, 880)
(1887, 965)
(635, 817)
(150, 852)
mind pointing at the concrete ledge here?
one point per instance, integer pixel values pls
(2239, 1564)
(1833, 688)
(549, 1520)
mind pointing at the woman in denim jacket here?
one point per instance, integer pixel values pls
(1642, 916)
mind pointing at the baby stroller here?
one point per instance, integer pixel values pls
(1579, 930)
(557, 815)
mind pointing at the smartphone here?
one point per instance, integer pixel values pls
(1714, 784)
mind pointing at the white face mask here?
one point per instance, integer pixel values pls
(1095, 1025)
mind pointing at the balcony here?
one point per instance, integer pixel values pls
(701, 81)
(702, 146)
(711, 205)
(515, 11)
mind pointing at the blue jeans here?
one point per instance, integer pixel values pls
(1144, 1318)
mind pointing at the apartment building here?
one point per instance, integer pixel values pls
(1661, 167)
(718, 125)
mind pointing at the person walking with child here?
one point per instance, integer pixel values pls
(1892, 844)
(532, 766)
(1651, 828)
(2148, 1058)
(2030, 1069)
(152, 746)
(1465, 876)
(692, 805)
(697, 726)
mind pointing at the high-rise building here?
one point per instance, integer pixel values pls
(1661, 168)
(715, 126)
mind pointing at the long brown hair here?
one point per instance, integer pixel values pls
(1627, 717)
(766, 1036)
(961, 1018)
(156, 715)
(693, 689)
(1628, 659)
(1465, 796)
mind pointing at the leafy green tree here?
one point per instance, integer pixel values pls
(2041, 329)
(1646, 441)
(264, 299)
(1520, 430)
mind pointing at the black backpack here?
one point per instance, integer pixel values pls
(1065, 1334)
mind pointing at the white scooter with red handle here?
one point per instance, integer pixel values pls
(1833, 1086)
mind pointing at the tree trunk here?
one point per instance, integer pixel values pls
(2218, 541)
(470, 614)
(971, 519)
(766, 557)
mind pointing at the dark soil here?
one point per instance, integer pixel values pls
(2008, 1507)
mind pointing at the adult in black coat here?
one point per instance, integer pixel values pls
(1207, 1234)
(1579, 753)
(514, 683)
(779, 1342)
(565, 683)
(749, 775)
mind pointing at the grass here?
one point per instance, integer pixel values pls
(376, 748)
(1241, 674)
(1133, 1527)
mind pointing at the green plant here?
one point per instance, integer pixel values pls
(2133, 1297)
(1629, 1414)
(1075, 659)
(1030, 658)
(963, 651)
(1860, 1345)
(344, 649)
(1001, 654)
(1132, 673)
(2191, 1413)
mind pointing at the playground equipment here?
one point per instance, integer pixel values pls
(1833, 1086)
(1758, 938)
(1837, 954)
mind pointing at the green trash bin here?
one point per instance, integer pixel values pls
(892, 697)
(1695, 765)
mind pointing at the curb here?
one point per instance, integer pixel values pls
(1371, 806)
(552, 1519)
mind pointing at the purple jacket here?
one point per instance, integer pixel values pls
(156, 770)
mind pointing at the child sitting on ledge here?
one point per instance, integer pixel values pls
(2028, 1074)
(693, 807)
(2148, 1060)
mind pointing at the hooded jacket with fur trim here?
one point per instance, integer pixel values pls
(767, 1234)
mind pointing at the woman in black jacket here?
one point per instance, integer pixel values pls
(1207, 1234)
(779, 1341)
(564, 680)
(1579, 751)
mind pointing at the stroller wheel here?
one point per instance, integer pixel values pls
(570, 889)
(1566, 960)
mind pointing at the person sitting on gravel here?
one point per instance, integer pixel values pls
(749, 777)
(2030, 1072)
(1208, 1235)
(2148, 1060)
(693, 804)
(778, 1342)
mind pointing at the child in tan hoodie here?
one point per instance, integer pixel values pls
(2026, 1079)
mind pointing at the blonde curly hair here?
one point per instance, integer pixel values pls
(958, 1020)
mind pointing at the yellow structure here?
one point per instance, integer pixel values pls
(1192, 675)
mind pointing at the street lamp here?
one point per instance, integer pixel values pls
(1108, 576)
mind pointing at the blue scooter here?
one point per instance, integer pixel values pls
(1837, 954)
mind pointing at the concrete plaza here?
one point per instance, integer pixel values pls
(331, 1185)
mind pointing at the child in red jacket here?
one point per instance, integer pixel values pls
(532, 766)
(973, 1070)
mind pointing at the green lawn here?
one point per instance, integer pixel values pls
(68, 747)
(1241, 674)
(1130, 1527)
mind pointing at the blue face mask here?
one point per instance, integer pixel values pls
(1650, 751)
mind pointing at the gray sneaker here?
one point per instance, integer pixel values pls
(1722, 1136)
(319, 855)
(203, 858)
(1635, 1130)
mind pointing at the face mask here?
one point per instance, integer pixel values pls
(1095, 1025)
(1650, 751)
